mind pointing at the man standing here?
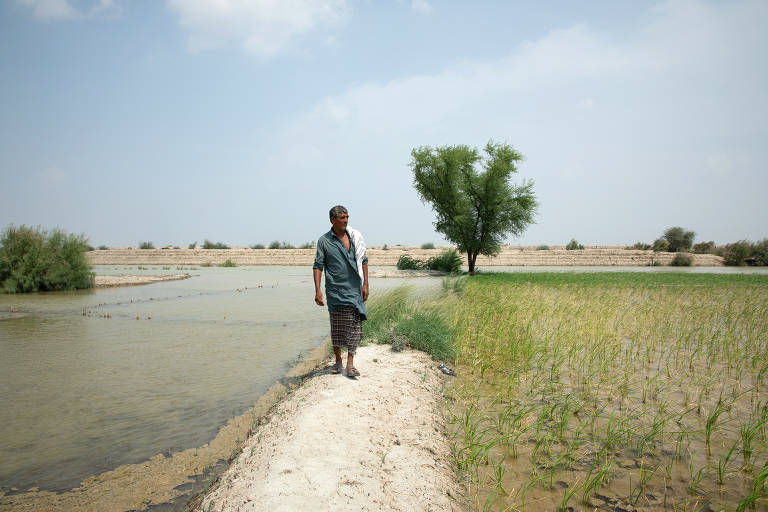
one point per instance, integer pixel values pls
(341, 253)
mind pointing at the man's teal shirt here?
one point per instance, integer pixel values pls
(343, 286)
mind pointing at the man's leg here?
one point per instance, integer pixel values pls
(337, 353)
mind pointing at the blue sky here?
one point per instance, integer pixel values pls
(244, 121)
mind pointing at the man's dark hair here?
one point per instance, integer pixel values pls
(336, 210)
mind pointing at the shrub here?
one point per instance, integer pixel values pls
(103, 247)
(207, 244)
(428, 245)
(640, 246)
(448, 261)
(678, 239)
(278, 245)
(385, 248)
(228, 263)
(760, 252)
(257, 246)
(573, 245)
(308, 245)
(407, 263)
(736, 253)
(146, 245)
(542, 247)
(681, 259)
(206, 264)
(660, 245)
(704, 247)
(192, 245)
(35, 260)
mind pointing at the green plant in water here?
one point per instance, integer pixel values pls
(228, 263)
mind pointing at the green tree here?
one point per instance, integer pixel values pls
(476, 208)
(678, 239)
(34, 260)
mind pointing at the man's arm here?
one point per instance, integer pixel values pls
(318, 275)
(365, 282)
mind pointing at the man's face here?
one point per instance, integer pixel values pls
(339, 222)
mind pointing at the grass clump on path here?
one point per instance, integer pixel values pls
(423, 324)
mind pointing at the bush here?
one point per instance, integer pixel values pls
(103, 248)
(428, 245)
(207, 244)
(448, 261)
(760, 252)
(308, 245)
(278, 245)
(678, 239)
(257, 246)
(228, 263)
(34, 260)
(660, 245)
(639, 246)
(573, 245)
(704, 247)
(192, 245)
(385, 248)
(542, 247)
(681, 259)
(407, 263)
(736, 253)
(146, 245)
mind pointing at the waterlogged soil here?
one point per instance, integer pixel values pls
(674, 417)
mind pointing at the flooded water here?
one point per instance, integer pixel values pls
(92, 380)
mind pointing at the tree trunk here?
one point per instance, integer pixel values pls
(471, 262)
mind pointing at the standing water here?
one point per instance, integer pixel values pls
(92, 380)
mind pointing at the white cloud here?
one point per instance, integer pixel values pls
(422, 6)
(50, 9)
(260, 27)
(56, 10)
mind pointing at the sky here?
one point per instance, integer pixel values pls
(244, 121)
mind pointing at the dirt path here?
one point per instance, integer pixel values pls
(371, 443)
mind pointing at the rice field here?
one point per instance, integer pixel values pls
(610, 391)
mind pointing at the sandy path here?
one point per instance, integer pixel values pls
(372, 443)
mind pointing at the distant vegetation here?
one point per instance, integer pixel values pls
(542, 247)
(573, 245)
(428, 245)
(34, 260)
(681, 259)
(207, 244)
(146, 245)
(192, 245)
(448, 261)
(679, 240)
(257, 246)
(308, 245)
(103, 247)
(278, 245)
(228, 263)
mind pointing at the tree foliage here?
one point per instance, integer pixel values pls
(678, 239)
(35, 260)
(477, 206)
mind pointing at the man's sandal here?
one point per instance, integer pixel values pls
(337, 368)
(352, 372)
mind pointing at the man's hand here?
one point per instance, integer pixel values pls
(319, 299)
(365, 292)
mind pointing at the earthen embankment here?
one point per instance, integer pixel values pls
(594, 256)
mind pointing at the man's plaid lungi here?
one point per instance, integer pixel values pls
(346, 328)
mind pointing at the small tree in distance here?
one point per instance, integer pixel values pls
(476, 210)
(678, 239)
